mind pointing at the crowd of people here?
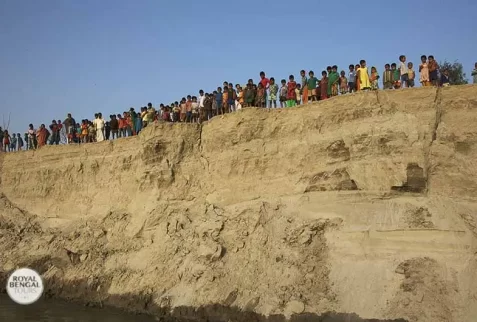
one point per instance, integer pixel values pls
(230, 98)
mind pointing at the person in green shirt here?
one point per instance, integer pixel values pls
(396, 76)
(312, 82)
(249, 95)
(333, 79)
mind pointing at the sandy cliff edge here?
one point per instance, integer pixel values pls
(363, 205)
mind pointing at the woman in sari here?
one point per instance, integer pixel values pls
(42, 135)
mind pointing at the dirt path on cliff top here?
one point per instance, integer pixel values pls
(363, 204)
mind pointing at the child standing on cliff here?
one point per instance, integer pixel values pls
(283, 93)
(304, 87)
(324, 85)
(351, 79)
(312, 82)
(84, 131)
(13, 143)
(424, 71)
(403, 71)
(195, 110)
(249, 95)
(273, 88)
(362, 76)
(6, 141)
(411, 75)
(225, 100)
(433, 67)
(387, 77)
(19, 142)
(260, 99)
(31, 137)
(333, 80)
(240, 97)
(396, 76)
(291, 95)
(189, 109)
(183, 109)
(445, 82)
(218, 100)
(232, 98)
(374, 79)
(298, 94)
(358, 85)
(343, 83)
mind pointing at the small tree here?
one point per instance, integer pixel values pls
(456, 72)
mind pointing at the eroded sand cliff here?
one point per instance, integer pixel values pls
(362, 204)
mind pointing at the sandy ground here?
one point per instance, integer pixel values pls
(361, 205)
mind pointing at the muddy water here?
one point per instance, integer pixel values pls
(59, 311)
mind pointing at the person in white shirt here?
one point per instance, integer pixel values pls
(201, 105)
(99, 126)
(31, 137)
(403, 71)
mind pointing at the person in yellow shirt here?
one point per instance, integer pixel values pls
(363, 77)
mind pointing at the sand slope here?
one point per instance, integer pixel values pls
(361, 204)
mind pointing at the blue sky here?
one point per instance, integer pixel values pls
(87, 56)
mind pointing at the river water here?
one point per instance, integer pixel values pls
(60, 311)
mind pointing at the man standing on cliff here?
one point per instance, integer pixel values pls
(98, 123)
(55, 133)
(114, 124)
(70, 124)
(61, 132)
(1, 139)
(201, 106)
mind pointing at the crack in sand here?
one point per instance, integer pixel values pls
(427, 149)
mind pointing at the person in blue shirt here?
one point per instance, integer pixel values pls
(13, 143)
(218, 98)
(445, 78)
(19, 142)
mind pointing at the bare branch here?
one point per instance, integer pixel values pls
(5, 126)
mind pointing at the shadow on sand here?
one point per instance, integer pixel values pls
(88, 292)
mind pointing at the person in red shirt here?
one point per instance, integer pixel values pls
(265, 83)
(291, 94)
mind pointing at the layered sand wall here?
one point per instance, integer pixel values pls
(362, 204)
